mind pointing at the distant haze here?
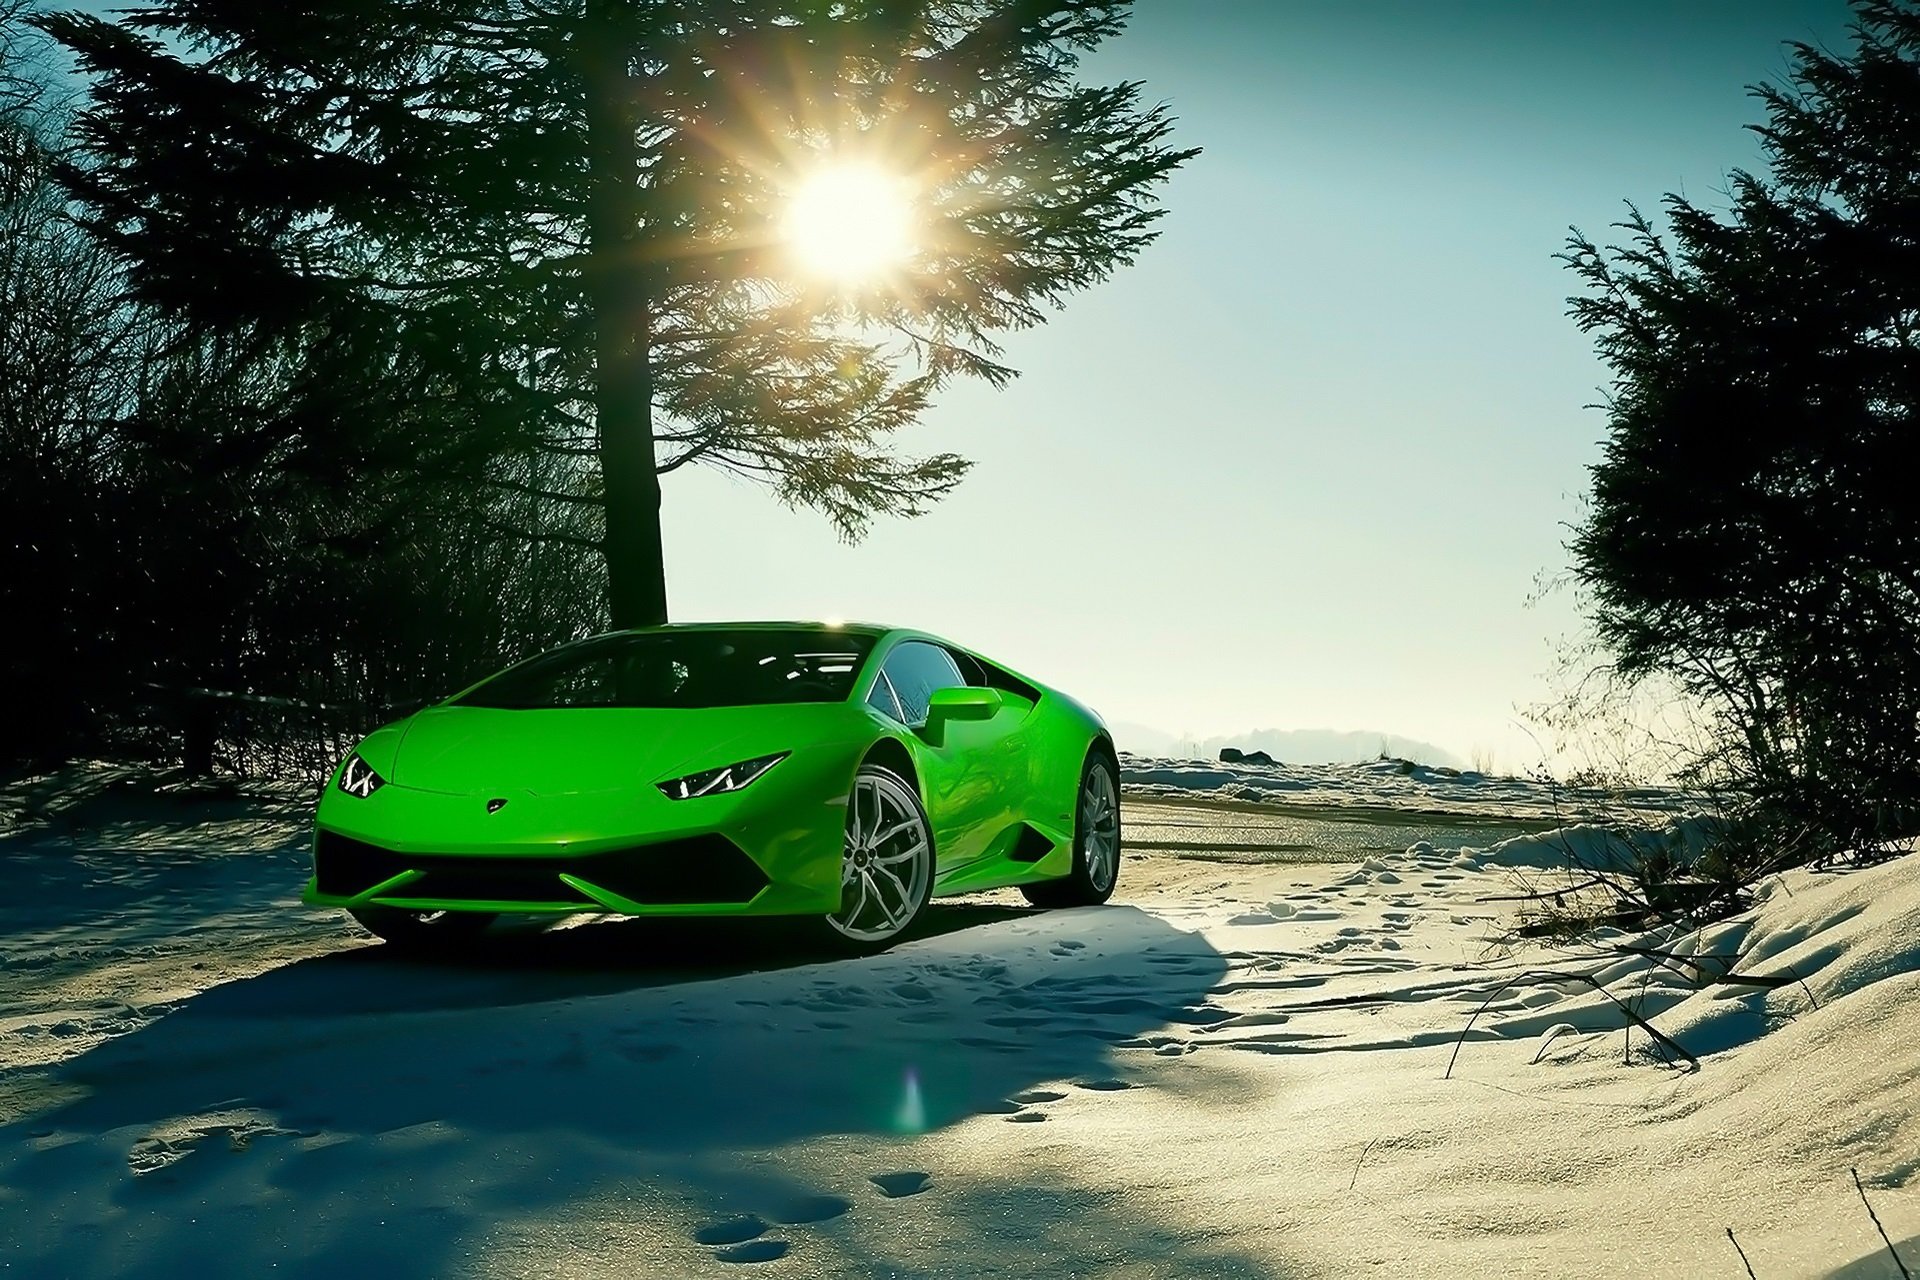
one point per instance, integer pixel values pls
(1288, 746)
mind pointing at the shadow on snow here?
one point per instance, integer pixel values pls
(361, 1110)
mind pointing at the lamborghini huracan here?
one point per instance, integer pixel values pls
(842, 774)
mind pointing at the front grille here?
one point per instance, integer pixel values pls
(343, 866)
(490, 884)
(709, 868)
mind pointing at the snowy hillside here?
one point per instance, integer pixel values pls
(1397, 784)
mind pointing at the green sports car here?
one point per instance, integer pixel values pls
(841, 773)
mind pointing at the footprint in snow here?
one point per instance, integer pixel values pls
(731, 1230)
(1026, 1117)
(1105, 1085)
(1019, 1020)
(644, 1050)
(1037, 1095)
(1205, 1015)
(803, 1209)
(1252, 917)
(573, 1057)
(990, 1045)
(1066, 945)
(894, 1186)
(753, 1251)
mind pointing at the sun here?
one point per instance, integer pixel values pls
(850, 223)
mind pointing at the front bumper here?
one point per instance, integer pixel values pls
(773, 848)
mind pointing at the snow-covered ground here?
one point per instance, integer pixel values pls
(1239, 1069)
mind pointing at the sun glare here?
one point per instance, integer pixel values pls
(850, 223)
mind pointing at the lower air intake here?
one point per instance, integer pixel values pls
(698, 869)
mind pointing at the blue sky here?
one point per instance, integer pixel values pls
(1301, 465)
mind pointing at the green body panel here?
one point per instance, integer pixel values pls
(582, 780)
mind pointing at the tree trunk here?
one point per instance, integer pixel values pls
(621, 291)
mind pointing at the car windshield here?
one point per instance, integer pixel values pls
(692, 668)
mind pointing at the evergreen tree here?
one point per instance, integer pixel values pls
(167, 526)
(1753, 527)
(564, 218)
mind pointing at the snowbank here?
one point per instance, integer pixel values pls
(1593, 847)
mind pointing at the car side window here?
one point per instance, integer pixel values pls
(881, 698)
(970, 669)
(916, 669)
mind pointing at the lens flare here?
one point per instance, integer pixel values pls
(911, 1115)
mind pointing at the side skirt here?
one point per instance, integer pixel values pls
(1024, 853)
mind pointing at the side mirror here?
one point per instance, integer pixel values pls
(964, 702)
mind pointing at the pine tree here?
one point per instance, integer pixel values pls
(566, 216)
(1753, 529)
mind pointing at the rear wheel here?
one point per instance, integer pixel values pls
(886, 862)
(1096, 843)
(424, 931)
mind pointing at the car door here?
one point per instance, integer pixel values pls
(964, 768)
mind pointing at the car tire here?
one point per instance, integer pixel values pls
(886, 867)
(1096, 842)
(424, 932)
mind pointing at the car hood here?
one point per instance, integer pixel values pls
(487, 750)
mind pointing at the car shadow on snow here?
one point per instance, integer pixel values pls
(364, 1111)
(519, 963)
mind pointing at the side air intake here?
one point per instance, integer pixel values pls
(1031, 846)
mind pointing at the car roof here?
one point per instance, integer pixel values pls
(825, 624)
(876, 630)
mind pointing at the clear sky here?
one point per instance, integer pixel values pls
(1300, 466)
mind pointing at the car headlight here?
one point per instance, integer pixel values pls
(712, 782)
(358, 777)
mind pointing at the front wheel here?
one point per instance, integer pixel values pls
(1096, 843)
(426, 932)
(886, 862)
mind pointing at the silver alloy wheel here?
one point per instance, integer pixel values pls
(1100, 821)
(887, 862)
